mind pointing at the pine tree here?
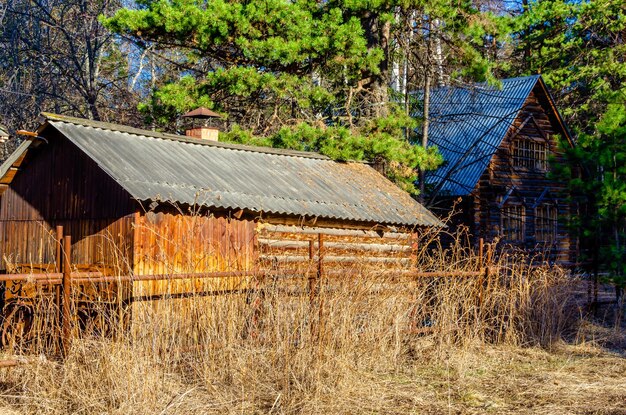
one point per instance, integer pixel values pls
(300, 74)
(580, 49)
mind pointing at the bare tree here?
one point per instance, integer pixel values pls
(55, 55)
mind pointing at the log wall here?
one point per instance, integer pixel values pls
(531, 186)
(293, 250)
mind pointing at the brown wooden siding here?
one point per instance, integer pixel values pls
(170, 243)
(59, 185)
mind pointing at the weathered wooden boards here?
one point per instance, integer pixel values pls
(292, 249)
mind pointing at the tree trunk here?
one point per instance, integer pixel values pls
(94, 113)
(527, 50)
(378, 37)
(435, 38)
(425, 126)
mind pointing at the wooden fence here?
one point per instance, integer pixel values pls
(64, 281)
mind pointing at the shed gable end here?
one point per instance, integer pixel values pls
(59, 182)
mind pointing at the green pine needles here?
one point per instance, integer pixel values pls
(305, 74)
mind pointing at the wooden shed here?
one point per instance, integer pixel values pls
(142, 202)
(499, 146)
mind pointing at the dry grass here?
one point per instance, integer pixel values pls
(371, 343)
(103, 377)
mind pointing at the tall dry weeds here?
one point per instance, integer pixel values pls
(269, 347)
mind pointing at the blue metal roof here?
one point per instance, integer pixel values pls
(468, 124)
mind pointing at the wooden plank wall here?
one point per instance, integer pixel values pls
(170, 243)
(101, 245)
(58, 185)
(501, 175)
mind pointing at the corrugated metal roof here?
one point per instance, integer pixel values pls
(13, 157)
(164, 167)
(468, 125)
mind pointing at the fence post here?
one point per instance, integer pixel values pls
(312, 276)
(589, 290)
(483, 274)
(318, 285)
(481, 252)
(320, 262)
(57, 269)
(488, 265)
(312, 288)
(67, 293)
(58, 252)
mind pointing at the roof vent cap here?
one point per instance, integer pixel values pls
(206, 131)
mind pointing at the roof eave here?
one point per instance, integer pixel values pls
(423, 219)
(564, 128)
(51, 118)
(6, 166)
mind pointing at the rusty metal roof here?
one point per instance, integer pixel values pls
(168, 168)
(468, 125)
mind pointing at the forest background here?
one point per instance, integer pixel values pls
(348, 78)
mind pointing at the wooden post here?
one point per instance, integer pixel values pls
(59, 244)
(483, 275)
(318, 285)
(58, 267)
(487, 266)
(595, 287)
(481, 248)
(313, 297)
(414, 241)
(67, 293)
(312, 275)
(320, 262)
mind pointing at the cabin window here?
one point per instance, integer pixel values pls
(512, 222)
(546, 219)
(530, 154)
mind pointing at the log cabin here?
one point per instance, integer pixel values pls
(140, 202)
(499, 146)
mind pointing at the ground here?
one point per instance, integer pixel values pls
(581, 379)
(571, 380)
(350, 368)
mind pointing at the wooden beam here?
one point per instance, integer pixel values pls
(9, 175)
(10, 363)
(336, 259)
(373, 247)
(308, 230)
